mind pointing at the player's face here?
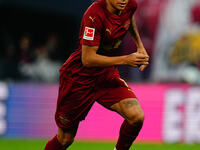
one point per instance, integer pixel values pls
(118, 4)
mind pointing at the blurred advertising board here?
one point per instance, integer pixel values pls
(3, 109)
(172, 113)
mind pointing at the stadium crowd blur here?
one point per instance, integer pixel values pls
(170, 30)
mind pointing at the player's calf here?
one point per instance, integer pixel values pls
(63, 139)
(54, 144)
(131, 110)
(128, 134)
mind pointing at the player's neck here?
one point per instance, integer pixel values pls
(111, 9)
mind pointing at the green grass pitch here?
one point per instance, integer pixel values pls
(22, 144)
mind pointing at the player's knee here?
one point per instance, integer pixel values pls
(68, 142)
(137, 118)
(65, 141)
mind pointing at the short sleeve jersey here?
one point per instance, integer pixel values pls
(99, 27)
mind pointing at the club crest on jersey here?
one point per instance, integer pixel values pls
(89, 33)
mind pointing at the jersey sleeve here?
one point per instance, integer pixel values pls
(92, 29)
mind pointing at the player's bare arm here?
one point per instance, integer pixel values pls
(136, 37)
(90, 58)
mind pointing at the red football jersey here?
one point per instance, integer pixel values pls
(100, 28)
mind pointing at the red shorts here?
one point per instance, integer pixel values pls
(76, 99)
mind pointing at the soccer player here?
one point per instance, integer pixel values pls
(89, 74)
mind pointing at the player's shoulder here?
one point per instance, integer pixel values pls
(96, 9)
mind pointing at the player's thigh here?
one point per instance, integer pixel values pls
(73, 104)
(130, 109)
(110, 96)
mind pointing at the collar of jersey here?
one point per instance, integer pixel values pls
(114, 16)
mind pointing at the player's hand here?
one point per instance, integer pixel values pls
(137, 59)
(142, 50)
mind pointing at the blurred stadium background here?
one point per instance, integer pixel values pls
(36, 37)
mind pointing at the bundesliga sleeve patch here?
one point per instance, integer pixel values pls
(89, 33)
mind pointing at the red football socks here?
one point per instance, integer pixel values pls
(53, 144)
(128, 134)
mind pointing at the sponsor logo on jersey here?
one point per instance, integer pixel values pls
(89, 33)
